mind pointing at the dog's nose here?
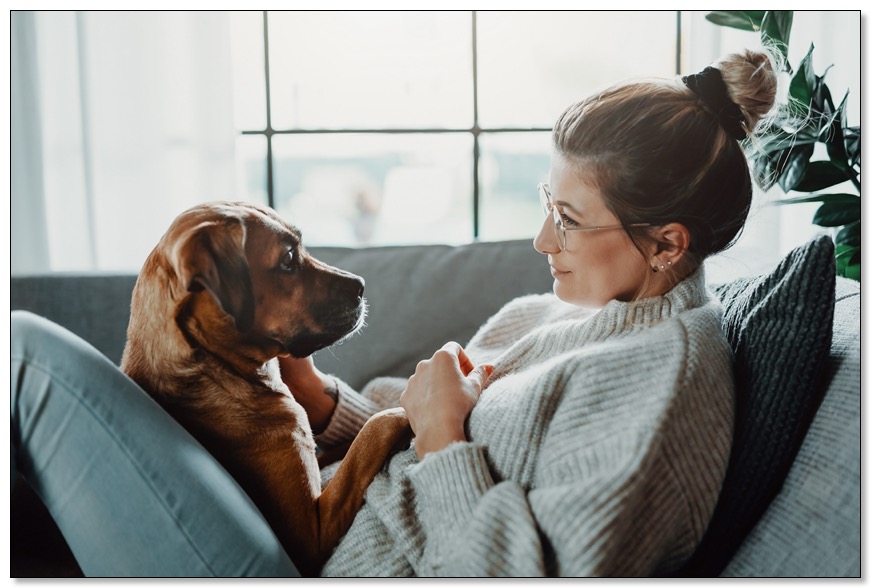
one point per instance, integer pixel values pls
(361, 284)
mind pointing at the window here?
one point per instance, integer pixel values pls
(370, 127)
(407, 127)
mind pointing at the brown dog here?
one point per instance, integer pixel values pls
(227, 290)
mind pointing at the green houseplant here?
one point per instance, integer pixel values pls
(784, 153)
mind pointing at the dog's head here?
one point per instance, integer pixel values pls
(242, 275)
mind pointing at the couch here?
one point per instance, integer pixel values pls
(791, 501)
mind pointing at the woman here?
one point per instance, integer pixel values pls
(585, 432)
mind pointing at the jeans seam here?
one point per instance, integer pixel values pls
(108, 430)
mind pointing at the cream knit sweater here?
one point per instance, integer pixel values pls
(597, 448)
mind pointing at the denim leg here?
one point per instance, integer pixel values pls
(133, 493)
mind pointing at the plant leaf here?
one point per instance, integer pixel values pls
(835, 214)
(822, 101)
(769, 167)
(819, 175)
(775, 28)
(820, 87)
(847, 260)
(842, 251)
(745, 20)
(850, 235)
(841, 197)
(763, 171)
(853, 144)
(853, 268)
(793, 170)
(802, 84)
(780, 139)
(834, 138)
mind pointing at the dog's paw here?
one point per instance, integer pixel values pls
(403, 439)
(393, 423)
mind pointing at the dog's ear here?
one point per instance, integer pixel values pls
(211, 256)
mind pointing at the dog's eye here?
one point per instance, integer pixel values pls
(286, 262)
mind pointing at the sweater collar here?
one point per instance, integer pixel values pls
(690, 293)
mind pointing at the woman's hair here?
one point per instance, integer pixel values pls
(659, 153)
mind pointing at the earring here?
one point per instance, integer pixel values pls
(669, 262)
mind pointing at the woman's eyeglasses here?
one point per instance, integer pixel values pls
(560, 220)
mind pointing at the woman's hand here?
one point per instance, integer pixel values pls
(316, 392)
(440, 395)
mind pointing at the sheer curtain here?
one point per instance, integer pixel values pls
(120, 120)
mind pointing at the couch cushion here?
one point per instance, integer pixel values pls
(780, 328)
(813, 527)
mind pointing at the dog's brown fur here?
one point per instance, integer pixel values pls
(215, 304)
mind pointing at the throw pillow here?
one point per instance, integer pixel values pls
(780, 328)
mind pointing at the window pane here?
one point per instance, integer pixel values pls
(345, 189)
(512, 165)
(353, 70)
(251, 169)
(532, 65)
(249, 81)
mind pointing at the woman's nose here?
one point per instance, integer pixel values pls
(547, 241)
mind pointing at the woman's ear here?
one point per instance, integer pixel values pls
(672, 243)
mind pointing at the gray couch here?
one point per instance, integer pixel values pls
(422, 296)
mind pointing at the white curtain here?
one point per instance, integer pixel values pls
(120, 120)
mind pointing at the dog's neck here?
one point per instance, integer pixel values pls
(209, 331)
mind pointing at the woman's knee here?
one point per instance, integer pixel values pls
(39, 342)
(26, 329)
(35, 336)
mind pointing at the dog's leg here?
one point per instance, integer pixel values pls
(384, 434)
(332, 455)
(308, 522)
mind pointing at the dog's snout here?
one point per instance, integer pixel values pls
(349, 286)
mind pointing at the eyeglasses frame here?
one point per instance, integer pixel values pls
(552, 209)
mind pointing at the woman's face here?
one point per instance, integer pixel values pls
(596, 266)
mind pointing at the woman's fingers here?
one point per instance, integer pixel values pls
(463, 360)
(480, 375)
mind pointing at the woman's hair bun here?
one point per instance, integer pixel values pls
(751, 79)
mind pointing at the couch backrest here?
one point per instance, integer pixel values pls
(420, 297)
(96, 307)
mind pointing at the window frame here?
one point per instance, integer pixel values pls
(475, 130)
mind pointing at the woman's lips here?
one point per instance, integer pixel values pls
(557, 273)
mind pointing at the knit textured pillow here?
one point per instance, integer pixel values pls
(780, 328)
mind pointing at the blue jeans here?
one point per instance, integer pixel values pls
(133, 493)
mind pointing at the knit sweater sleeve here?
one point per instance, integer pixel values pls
(354, 408)
(609, 498)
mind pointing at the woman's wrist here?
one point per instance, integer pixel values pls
(437, 438)
(317, 392)
(319, 400)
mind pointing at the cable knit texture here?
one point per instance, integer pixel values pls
(597, 448)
